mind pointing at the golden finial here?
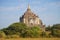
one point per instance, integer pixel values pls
(28, 6)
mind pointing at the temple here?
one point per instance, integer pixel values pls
(30, 18)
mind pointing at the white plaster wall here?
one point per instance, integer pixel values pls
(24, 20)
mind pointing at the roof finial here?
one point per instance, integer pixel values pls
(28, 6)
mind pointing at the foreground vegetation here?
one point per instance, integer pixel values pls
(31, 39)
(20, 30)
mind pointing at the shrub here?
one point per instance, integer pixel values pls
(12, 36)
(56, 30)
(2, 34)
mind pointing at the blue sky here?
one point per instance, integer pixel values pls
(47, 10)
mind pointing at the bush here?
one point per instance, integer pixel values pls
(43, 34)
(2, 34)
(56, 33)
(12, 36)
(56, 30)
(32, 32)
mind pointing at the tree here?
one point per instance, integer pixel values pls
(22, 30)
(15, 28)
(32, 32)
(56, 30)
(48, 28)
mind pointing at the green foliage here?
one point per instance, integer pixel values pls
(36, 31)
(22, 30)
(12, 36)
(17, 27)
(2, 34)
(43, 34)
(56, 26)
(16, 30)
(48, 28)
(31, 32)
(56, 30)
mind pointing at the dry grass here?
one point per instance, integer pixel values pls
(31, 39)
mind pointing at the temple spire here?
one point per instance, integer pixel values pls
(28, 7)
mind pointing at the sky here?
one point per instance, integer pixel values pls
(47, 10)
